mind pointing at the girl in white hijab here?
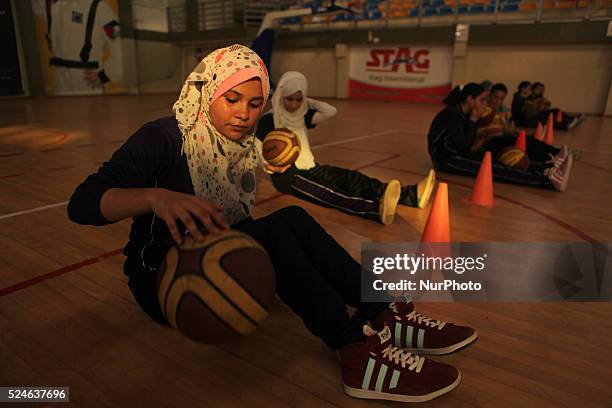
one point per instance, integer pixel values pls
(289, 112)
(347, 190)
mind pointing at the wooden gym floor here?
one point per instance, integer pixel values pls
(67, 317)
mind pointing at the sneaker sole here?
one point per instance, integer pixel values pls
(570, 162)
(445, 350)
(431, 182)
(389, 201)
(367, 394)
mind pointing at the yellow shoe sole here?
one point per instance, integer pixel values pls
(388, 202)
(430, 182)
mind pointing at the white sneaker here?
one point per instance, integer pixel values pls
(559, 176)
(558, 159)
(573, 123)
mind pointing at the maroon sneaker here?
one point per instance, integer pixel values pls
(419, 334)
(379, 370)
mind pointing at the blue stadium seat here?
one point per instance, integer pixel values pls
(437, 3)
(463, 10)
(290, 20)
(445, 10)
(509, 8)
(490, 8)
(429, 11)
(414, 12)
(477, 8)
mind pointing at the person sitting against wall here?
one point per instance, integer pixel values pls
(518, 100)
(496, 131)
(453, 133)
(536, 109)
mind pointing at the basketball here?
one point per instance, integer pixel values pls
(281, 147)
(513, 157)
(218, 289)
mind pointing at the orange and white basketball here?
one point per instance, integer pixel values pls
(281, 147)
(513, 157)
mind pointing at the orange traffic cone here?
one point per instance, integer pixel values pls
(482, 193)
(550, 137)
(521, 141)
(559, 117)
(538, 135)
(437, 228)
(435, 241)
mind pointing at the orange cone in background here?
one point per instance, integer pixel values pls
(538, 135)
(549, 138)
(521, 141)
(482, 193)
(437, 228)
(559, 117)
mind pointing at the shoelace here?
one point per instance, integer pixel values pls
(555, 160)
(554, 174)
(419, 318)
(407, 360)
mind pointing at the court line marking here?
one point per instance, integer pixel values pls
(15, 214)
(78, 265)
(58, 272)
(11, 154)
(11, 176)
(592, 150)
(353, 139)
(595, 166)
(44, 207)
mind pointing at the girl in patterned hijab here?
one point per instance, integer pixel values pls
(199, 166)
(217, 139)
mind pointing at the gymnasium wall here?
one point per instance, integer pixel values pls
(574, 60)
(159, 66)
(577, 76)
(608, 111)
(318, 65)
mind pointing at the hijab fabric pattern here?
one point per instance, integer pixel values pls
(222, 170)
(291, 82)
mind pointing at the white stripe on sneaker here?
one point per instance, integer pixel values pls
(394, 379)
(367, 377)
(409, 333)
(382, 373)
(420, 338)
(398, 334)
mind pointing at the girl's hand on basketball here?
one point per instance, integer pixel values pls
(274, 169)
(171, 206)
